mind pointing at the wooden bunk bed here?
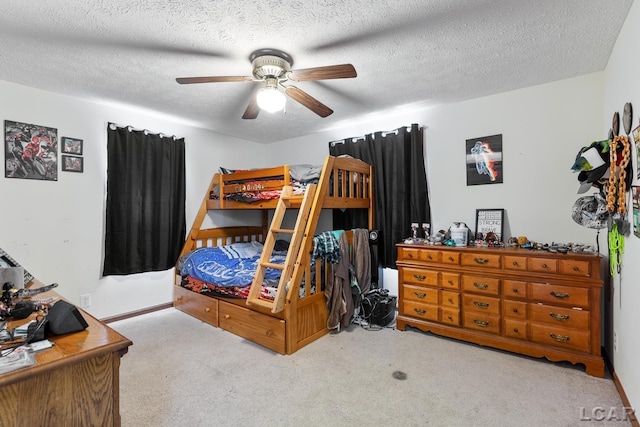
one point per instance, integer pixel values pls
(297, 314)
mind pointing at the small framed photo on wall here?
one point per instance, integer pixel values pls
(72, 163)
(71, 146)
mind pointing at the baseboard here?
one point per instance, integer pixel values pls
(137, 313)
(616, 381)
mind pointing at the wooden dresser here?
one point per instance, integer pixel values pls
(535, 303)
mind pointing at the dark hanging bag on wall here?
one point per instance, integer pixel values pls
(65, 318)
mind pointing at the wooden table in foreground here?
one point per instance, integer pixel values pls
(74, 383)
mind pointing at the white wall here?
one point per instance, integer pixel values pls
(622, 85)
(55, 228)
(543, 128)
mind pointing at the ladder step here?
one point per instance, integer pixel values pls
(282, 230)
(272, 265)
(262, 303)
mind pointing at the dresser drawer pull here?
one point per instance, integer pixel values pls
(429, 256)
(515, 263)
(481, 260)
(420, 294)
(451, 259)
(450, 300)
(576, 268)
(450, 318)
(481, 304)
(559, 338)
(482, 323)
(516, 330)
(420, 278)
(515, 310)
(409, 255)
(480, 285)
(559, 316)
(560, 295)
(515, 290)
(545, 266)
(450, 282)
(420, 310)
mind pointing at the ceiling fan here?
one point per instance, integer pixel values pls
(273, 67)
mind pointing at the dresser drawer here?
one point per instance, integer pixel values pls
(197, 305)
(558, 316)
(482, 322)
(419, 276)
(450, 316)
(429, 255)
(419, 310)
(420, 294)
(514, 289)
(574, 267)
(518, 263)
(480, 260)
(484, 285)
(482, 304)
(516, 329)
(543, 265)
(408, 254)
(515, 309)
(257, 327)
(450, 257)
(450, 280)
(450, 299)
(557, 294)
(560, 337)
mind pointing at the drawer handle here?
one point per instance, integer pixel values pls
(559, 316)
(419, 294)
(450, 318)
(482, 323)
(179, 298)
(481, 304)
(515, 263)
(545, 266)
(451, 258)
(481, 260)
(450, 300)
(207, 310)
(559, 338)
(480, 285)
(560, 295)
(516, 330)
(227, 316)
(515, 310)
(450, 282)
(515, 290)
(420, 278)
(409, 255)
(576, 268)
(420, 310)
(268, 333)
(429, 257)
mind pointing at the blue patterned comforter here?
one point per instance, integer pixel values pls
(231, 265)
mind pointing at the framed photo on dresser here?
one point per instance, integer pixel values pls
(490, 220)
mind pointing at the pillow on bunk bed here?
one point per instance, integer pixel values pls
(230, 265)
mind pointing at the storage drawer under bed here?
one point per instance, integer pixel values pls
(199, 306)
(257, 327)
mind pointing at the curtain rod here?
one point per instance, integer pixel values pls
(356, 138)
(113, 126)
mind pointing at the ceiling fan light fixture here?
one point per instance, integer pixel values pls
(270, 99)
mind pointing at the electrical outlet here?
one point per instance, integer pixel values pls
(615, 341)
(85, 300)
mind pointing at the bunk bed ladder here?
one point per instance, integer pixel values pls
(293, 254)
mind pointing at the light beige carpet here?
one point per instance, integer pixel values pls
(183, 372)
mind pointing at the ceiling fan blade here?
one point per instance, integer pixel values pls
(213, 79)
(343, 71)
(308, 101)
(252, 109)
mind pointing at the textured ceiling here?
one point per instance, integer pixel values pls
(405, 52)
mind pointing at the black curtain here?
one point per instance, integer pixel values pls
(145, 213)
(401, 195)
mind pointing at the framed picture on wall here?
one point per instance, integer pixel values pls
(484, 160)
(72, 146)
(489, 221)
(30, 151)
(72, 163)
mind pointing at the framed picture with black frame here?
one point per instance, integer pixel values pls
(72, 146)
(72, 163)
(489, 220)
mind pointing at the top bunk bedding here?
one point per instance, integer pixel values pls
(346, 182)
